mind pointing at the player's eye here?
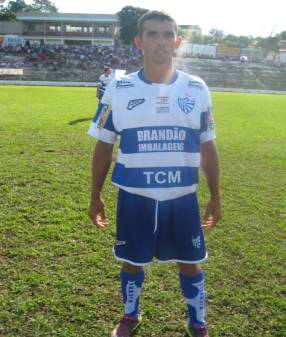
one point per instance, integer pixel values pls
(152, 34)
(169, 35)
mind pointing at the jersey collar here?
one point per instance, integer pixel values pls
(142, 78)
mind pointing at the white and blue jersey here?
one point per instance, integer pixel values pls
(161, 128)
(103, 83)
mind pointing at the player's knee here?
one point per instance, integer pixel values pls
(189, 269)
(129, 268)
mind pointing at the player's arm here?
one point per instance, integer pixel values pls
(98, 86)
(97, 90)
(101, 162)
(210, 167)
(103, 130)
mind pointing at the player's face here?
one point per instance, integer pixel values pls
(158, 42)
(107, 71)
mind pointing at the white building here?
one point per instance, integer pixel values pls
(281, 58)
(192, 50)
(69, 28)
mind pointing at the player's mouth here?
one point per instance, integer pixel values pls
(162, 51)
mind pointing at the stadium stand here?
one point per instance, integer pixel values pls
(85, 63)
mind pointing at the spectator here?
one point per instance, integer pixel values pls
(104, 80)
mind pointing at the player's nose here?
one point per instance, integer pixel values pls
(162, 41)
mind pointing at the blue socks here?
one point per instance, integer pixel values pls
(131, 284)
(192, 287)
(194, 293)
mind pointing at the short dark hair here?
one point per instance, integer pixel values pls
(153, 15)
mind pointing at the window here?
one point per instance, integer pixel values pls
(73, 29)
(54, 28)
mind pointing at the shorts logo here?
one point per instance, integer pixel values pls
(105, 112)
(135, 102)
(196, 241)
(120, 243)
(186, 104)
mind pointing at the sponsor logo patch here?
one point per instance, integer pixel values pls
(106, 109)
(124, 84)
(135, 102)
(162, 104)
(194, 84)
(186, 104)
(210, 120)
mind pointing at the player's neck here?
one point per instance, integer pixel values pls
(158, 73)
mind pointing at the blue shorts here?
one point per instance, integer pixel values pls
(168, 230)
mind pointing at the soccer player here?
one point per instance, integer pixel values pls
(164, 119)
(104, 80)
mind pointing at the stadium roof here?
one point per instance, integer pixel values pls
(76, 17)
(189, 26)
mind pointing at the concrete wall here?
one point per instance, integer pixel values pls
(8, 28)
(192, 49)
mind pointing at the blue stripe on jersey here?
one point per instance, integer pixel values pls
(154, 177)
(98, 112)
(160, 139)
(204, 124)
(102, 88)
(109, 123)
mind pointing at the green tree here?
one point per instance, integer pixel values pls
(128, 17)
(236, 41)
(283, 35)
(2, 8)
(17, 6)
(44, 6)
(245, 41)
(268, 44)
(195, 37)
(215, 36)
(5, 14)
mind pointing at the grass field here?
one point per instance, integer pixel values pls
(58, 276)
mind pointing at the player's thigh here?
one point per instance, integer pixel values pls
(135, 239)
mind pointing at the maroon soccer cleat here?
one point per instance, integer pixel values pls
(126, 326)
(197, 330)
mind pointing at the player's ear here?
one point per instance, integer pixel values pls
(138, 42)
(178, 41)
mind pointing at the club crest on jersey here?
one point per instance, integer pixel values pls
(196, 241)
(106, 109)
(135, 102)
(186, 104)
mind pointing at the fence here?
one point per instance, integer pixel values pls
(215, 73)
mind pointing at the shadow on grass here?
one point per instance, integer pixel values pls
(76, 121)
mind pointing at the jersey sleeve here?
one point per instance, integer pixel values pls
(102, 127)
(207, 131)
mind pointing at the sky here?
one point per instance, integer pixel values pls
(238, 17)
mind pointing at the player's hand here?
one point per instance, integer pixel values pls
(212, 214)
(96, 213)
